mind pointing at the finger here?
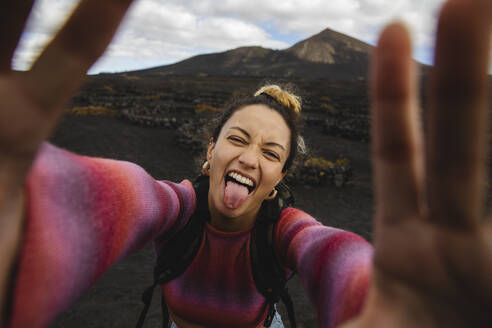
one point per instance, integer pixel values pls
(396, 145)
(13, 16)
(61, 68)
(457, 118)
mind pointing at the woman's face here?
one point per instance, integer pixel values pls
(246, 164)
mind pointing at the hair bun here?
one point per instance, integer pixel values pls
(283, 97)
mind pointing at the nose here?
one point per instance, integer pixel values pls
(249, 158)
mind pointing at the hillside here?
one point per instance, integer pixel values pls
(328, 54)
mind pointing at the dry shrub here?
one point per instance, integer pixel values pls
(93, 110)
(319, 171)
(131, 77)
(328, 107)
(201, 108)
(324, 164)
(319, 162)
(342, 162)
(108, 89)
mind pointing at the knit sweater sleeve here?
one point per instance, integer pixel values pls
(82, 215)
(333, 265)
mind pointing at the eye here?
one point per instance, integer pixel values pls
(271, 155)
(237, 139)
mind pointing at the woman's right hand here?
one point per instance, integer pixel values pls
(31, 102)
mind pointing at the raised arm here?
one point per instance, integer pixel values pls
(333, 265)
(32, 101)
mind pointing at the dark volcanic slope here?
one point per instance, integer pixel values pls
(327, 54)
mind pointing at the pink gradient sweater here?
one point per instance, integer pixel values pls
(83, 214)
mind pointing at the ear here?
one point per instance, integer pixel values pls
(210, 149)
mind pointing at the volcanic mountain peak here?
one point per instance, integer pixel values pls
(329, 47)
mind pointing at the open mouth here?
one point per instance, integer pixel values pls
(241, 180)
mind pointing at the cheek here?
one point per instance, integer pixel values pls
(217, 164)
(272, 175)
(220, 159)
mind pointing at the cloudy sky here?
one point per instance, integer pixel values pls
(158, 32)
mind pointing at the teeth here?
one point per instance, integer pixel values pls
(241, 179)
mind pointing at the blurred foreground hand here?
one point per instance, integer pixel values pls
(31, 102)
(433, 256)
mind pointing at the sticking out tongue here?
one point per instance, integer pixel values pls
(234, 195)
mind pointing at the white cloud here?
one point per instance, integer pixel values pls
(153, 31)
(168, 33)
(161, 32)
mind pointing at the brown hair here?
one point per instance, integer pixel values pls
(287, 104)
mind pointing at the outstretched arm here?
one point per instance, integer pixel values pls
(333, 265)
(32, 101)
(82, 215)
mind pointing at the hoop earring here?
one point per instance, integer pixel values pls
(272, 194)
(206, 168)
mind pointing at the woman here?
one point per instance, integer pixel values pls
(85, 213)
(432, 262)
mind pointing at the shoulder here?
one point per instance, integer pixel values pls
(186, 194)
(292, 220)
(184, 190)
(182, 198)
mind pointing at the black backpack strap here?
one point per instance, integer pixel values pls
(166, 320)
(269, 276)
(285, 296)
(146, 299)
(173, 262)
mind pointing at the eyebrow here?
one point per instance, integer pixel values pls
(247, 135)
